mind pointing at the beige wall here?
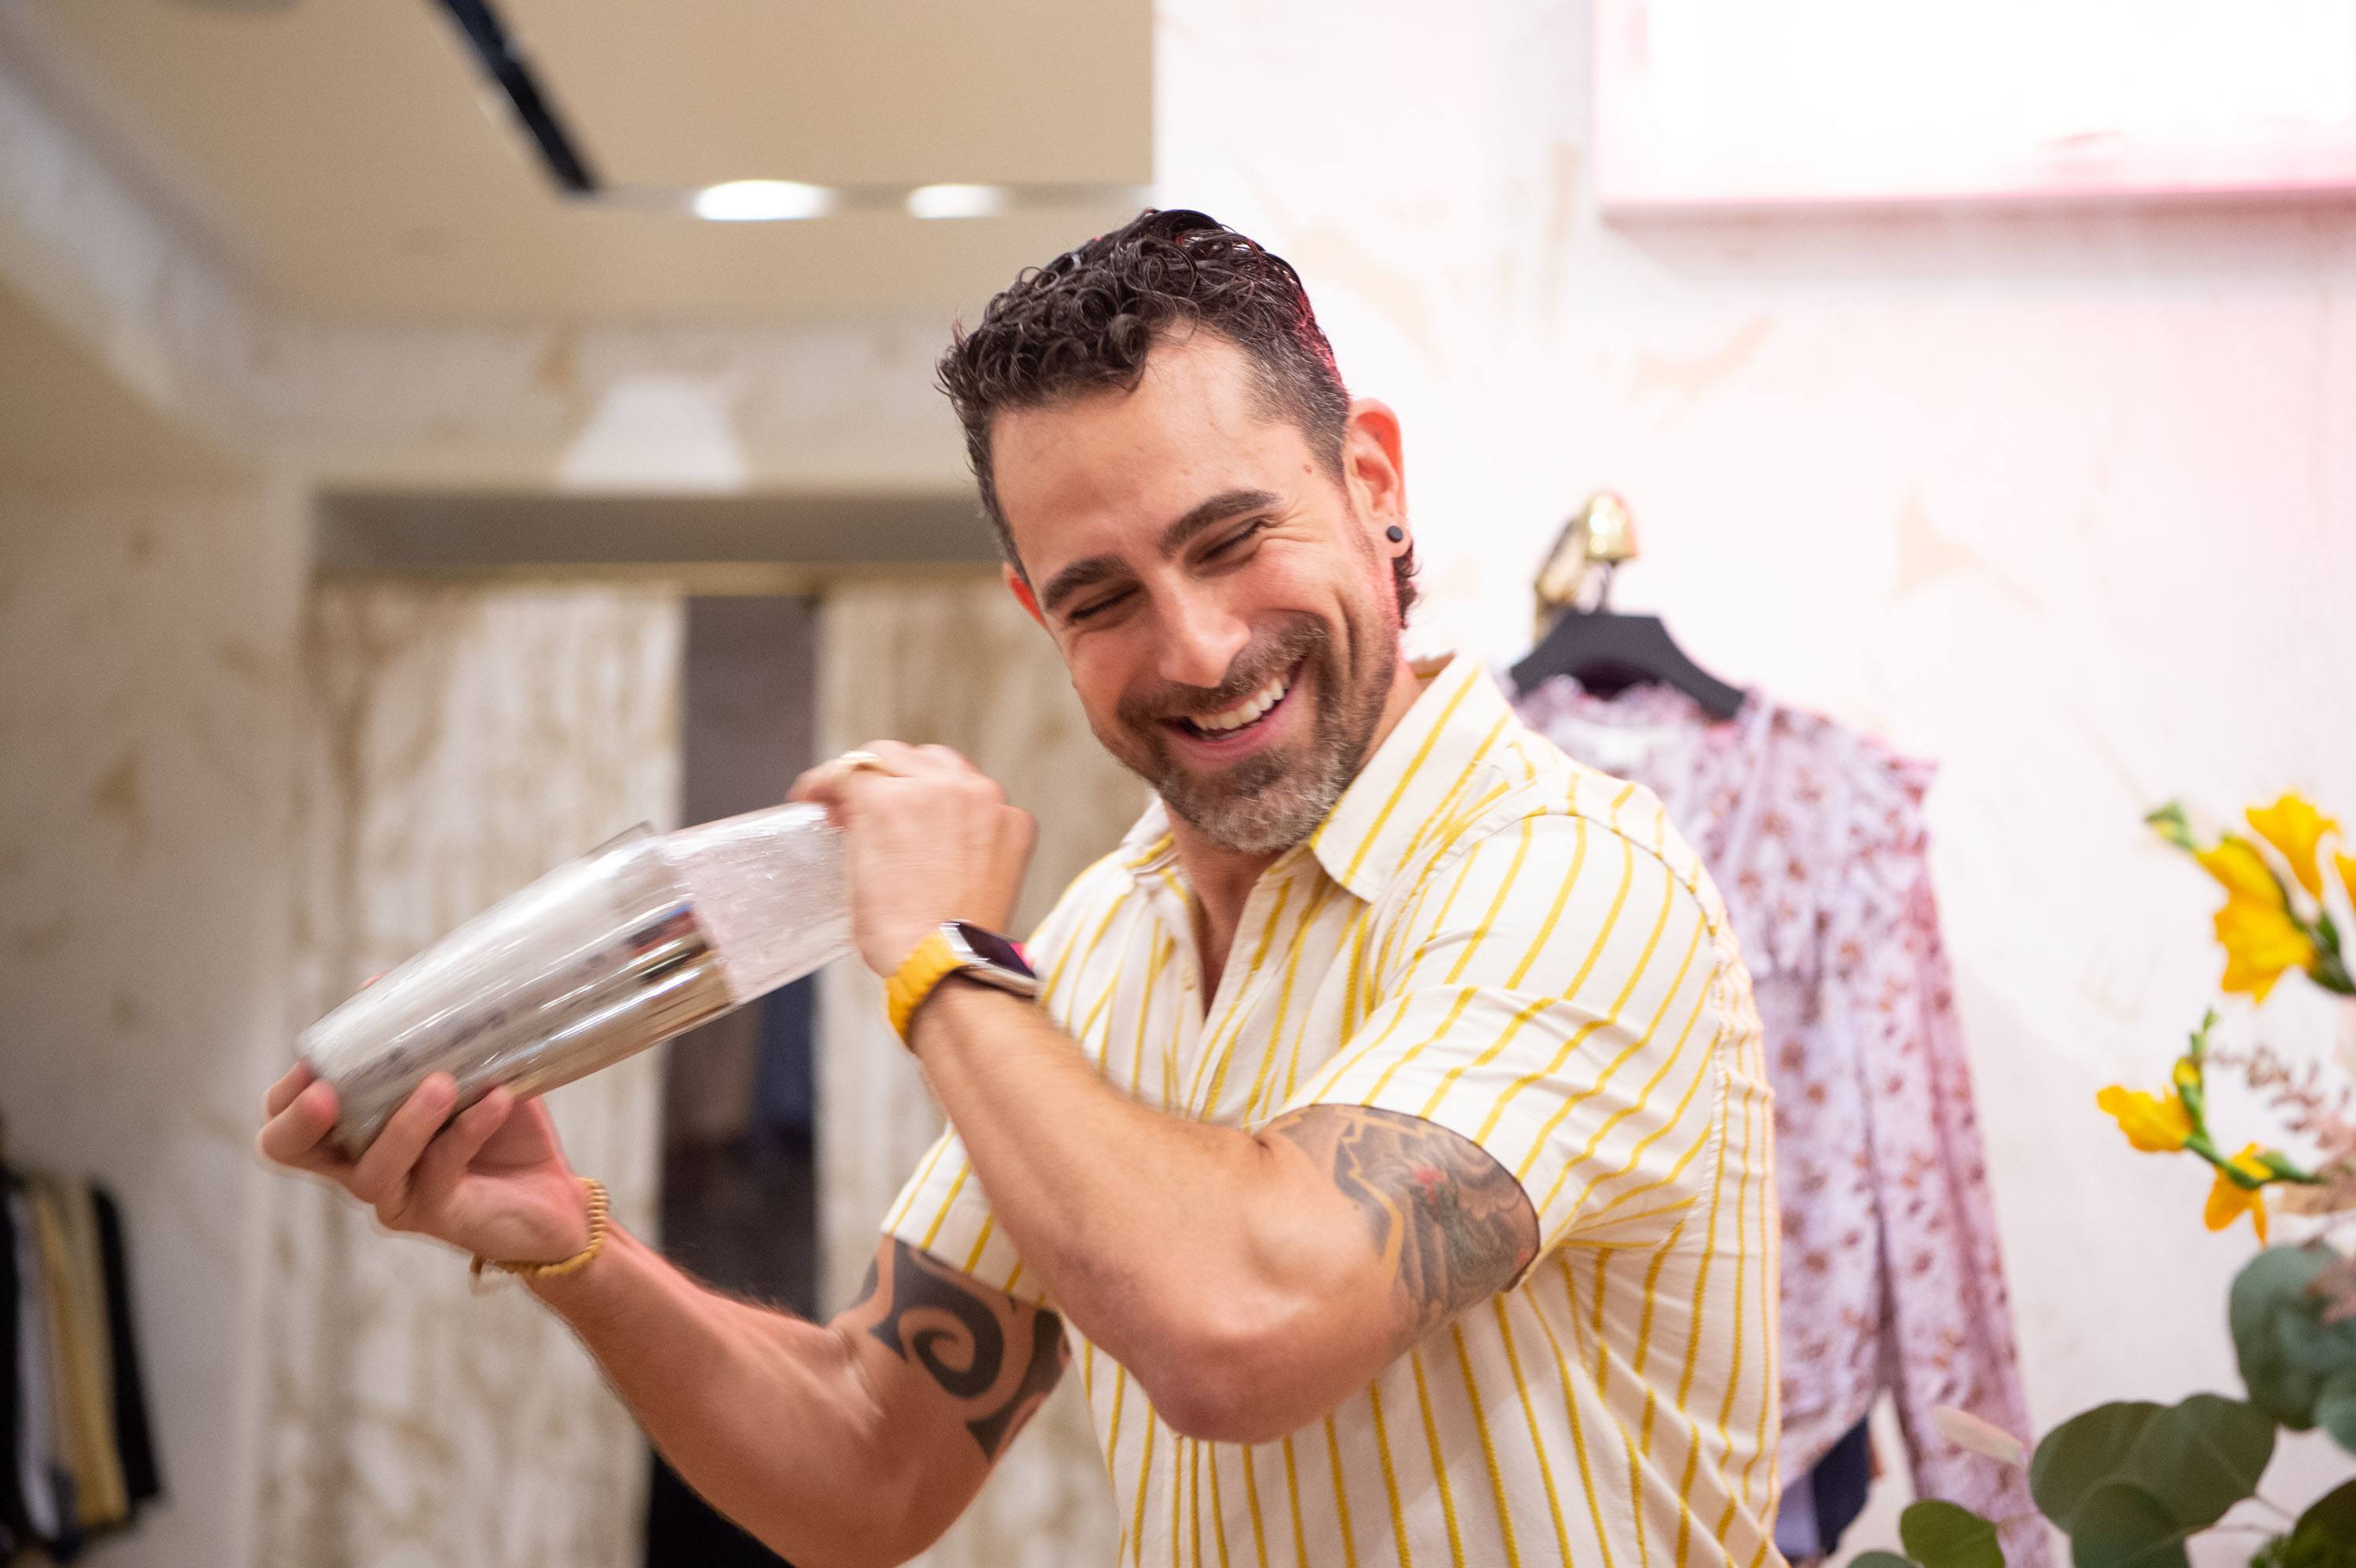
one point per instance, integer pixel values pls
(147, 646)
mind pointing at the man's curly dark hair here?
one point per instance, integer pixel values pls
(1086, 322)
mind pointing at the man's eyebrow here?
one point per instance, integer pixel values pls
(1204, 514)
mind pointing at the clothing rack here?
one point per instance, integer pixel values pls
(77, 1451)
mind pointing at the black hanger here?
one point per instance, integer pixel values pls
(1603, 650)
(1607, 653)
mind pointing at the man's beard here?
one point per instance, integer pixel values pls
(1279, 795)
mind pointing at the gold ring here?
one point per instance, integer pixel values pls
(854, 761)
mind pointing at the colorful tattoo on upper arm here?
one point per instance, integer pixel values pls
(1449, 1222)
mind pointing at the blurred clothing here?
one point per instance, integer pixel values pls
(1893, 1274)
(79, 1455)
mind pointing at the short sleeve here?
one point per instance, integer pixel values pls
(1555, 998)
(942, 1211)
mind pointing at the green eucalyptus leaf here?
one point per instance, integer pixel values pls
(2084, 1452)
(2312, 1344)
(2335, 1407)
(2277, 1274)
(2283, 1391)
(2330, 1519)
(2279, 1339)
(2117, 1524)
(1946, 1535)
(1878, 1560)
(2201, 1456)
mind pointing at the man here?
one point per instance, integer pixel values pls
(1388, 1136)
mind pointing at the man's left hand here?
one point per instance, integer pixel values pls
(928, 838)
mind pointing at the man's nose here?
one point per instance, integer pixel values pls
(1200, 640)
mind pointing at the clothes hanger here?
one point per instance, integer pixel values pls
(1603, 650)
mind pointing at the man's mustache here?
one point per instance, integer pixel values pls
(1250, 670)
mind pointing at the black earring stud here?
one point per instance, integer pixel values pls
(1395, 533)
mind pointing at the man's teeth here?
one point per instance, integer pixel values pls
(1244, 712)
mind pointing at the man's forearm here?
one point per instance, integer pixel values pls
(1146, 1228)
(767, 1415)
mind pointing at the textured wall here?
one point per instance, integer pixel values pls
(147, 643)
(2064, 501)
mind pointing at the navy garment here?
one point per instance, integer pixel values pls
(1820, 1506)
(1840, 1481)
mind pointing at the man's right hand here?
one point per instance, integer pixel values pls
(493, 1182)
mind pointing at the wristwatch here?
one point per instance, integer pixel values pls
(958, 950)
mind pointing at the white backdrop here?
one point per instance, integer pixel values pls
(2066, 501)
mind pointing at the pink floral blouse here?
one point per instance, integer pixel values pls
(1892, 1275)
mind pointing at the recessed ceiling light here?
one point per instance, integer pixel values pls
(762, 201)
(956, 201)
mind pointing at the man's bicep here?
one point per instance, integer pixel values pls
(1448, 1225)
(958, 1366)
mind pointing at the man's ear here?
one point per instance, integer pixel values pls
(1373, 464)
(1022, 594)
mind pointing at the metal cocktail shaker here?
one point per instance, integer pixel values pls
(633, 942)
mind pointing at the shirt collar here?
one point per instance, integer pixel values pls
(1365, 839)
(1147, 846)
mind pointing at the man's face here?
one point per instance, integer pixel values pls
(1218, 595)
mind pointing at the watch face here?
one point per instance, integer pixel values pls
(992, 948)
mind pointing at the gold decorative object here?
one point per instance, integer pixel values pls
(1598, 537)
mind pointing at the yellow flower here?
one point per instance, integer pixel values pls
(2153, 1125)
(2261, 940)
(2242, 872)
(2293, 827)
(2347, 864)
(2228, 1200)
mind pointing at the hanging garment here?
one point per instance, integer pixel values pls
(35, 1478)
(134, 1434)
(16, 1525)
(81, 1402)
(104, 1502)
(1892, 1275)
(76, 1448)
(1820, 1506)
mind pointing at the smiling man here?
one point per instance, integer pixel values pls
(1384, 1130)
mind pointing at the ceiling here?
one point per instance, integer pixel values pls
(66, 420)
(350, 158)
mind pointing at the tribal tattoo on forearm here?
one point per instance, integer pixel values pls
(1449, 1222)
(968, 1338)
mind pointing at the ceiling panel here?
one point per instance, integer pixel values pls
(347, 153)
(889, 92)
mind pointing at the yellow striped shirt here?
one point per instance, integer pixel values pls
(1488, 936)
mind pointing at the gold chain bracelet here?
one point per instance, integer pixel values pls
(562, 1267)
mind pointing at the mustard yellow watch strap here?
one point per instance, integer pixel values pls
(933, 961)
